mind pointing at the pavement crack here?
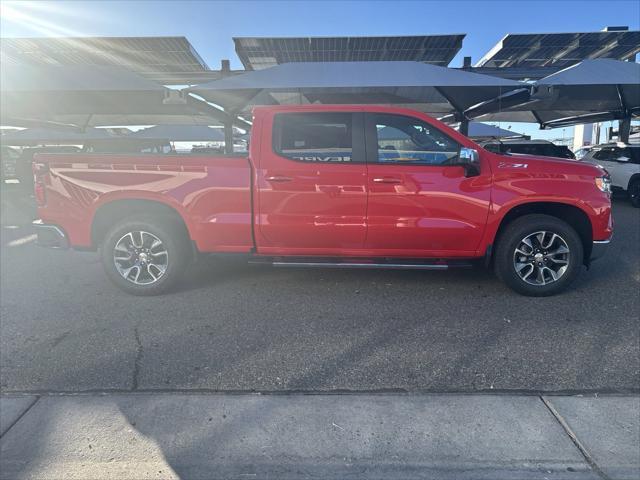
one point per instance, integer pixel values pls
(138, 360)
(574, 438)
(20, 417)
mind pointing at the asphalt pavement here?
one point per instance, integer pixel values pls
(234, 327)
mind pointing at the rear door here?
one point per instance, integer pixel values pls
(311, 183)
(419, 204)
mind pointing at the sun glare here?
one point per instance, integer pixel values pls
(43, 18)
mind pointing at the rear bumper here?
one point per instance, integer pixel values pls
(598, 249)
(50, 236)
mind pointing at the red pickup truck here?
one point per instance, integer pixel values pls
(330, 186)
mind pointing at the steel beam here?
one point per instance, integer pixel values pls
(464, 126)
(624, 129)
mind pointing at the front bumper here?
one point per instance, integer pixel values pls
(598, 249)
(50, 236)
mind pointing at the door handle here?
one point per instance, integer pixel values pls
(386, 180)
(278, 178)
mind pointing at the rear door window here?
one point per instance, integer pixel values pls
(632, 153)
(316, 137)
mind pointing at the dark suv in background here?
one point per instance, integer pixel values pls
(541, 148)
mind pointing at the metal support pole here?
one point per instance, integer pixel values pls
(624, 129)
(228, 136)
(464, 126)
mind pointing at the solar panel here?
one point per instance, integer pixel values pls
(144, 55)
(561, 49)
(258, 53)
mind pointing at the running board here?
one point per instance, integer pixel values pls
(391, 265)
(388, 266)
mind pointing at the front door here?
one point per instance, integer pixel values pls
(419, 203)
(312, 184)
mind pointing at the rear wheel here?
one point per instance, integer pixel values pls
(634, 193)
(145, 257)
(538, 255)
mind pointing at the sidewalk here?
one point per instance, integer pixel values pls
(372, 436)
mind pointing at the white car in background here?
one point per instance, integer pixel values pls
(622, 161)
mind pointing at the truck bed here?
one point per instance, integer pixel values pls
(211, 193)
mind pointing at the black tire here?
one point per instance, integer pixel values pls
(511, 238)
(634, 192)
(175, 241)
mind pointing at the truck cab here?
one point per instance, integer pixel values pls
(366, 182)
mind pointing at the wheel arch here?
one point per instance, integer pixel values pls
(573, 215)
(106, 214)
(634, 178)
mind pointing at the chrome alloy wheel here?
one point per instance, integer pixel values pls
(140, 257)
(541, 258)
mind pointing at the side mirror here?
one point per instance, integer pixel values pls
(622, 159)
(469, 159)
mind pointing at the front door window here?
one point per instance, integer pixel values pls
(408, 141)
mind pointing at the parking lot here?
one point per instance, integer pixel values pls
(234, 327)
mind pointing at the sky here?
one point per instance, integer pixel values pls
(210, 25)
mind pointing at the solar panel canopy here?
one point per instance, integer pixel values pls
(49, 136)
(139, 54)
(257, 53)
(92, 94)
(561, 49)
(437, 89)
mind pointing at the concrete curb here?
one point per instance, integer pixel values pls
(328, 436)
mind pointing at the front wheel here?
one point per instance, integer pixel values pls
(538, 255)
(145, 257)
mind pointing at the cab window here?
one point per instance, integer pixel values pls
(317, 137)
(410, 141)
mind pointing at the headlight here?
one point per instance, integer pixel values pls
(603, 184)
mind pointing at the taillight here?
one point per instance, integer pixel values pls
(41, 196)
(40, 170)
